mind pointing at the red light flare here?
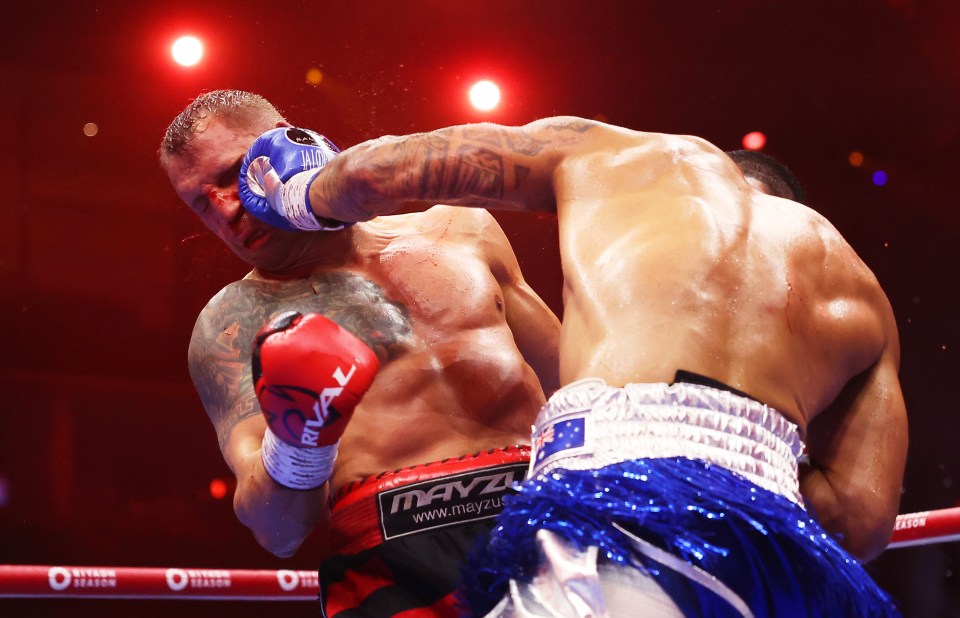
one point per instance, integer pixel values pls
(187, 51)
(755, 140)
(218, 489)
(484, 95)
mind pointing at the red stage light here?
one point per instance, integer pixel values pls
(484, 95)
(755, 140)
(187, 51)
(218, 489)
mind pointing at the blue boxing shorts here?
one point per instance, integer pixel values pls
(399, 539)
(669, 500)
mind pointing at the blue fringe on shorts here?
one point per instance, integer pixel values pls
(763, 546)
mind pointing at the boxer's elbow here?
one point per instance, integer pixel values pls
(280, 538)
(281, 548)
(860, 517)
(268, 514)
(867, 531)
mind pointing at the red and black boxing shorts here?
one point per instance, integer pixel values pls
(399, 538)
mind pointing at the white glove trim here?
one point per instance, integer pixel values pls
(295, 467)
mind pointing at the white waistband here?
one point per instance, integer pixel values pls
(589, 424)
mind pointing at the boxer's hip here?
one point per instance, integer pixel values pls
(399, 538)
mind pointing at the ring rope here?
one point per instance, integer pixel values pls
(40, 581)
(926, 528)
(157, 583)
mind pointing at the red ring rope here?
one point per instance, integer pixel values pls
(925, 528)
(37, 581)
(157, 583)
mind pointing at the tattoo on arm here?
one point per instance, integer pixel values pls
(223, 338)
(219, 359)
(476, 171)
(460, 162)
(474, 165)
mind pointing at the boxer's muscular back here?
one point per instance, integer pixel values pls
(671, 261)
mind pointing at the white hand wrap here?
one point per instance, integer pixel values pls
(288, 199)
(293, 202)
(295, 467)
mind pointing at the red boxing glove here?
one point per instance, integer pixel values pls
(309, 374)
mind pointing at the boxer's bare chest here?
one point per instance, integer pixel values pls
(410, 294)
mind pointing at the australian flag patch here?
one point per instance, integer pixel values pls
(563, 436)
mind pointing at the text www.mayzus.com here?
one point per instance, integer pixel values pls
(478, 508)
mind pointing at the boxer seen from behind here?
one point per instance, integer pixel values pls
(714, 337)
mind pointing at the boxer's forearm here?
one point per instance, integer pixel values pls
(483, 165)
(279, 518)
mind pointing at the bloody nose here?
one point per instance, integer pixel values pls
(216, 196)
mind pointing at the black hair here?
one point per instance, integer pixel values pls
(771, 172)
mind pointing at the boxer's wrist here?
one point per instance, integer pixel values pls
(295, 467)
(295, 203)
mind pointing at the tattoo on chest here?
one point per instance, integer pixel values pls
(222, 343)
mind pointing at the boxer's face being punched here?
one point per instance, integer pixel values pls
(205, 178)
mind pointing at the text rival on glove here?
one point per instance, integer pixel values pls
(321, 408)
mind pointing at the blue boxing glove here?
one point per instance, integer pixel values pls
(275, 178)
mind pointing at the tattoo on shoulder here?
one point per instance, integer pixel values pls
(570, 123)
(523, 143)
(223, 338)
(218, 359)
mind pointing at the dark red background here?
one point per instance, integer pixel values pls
(105, 450)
